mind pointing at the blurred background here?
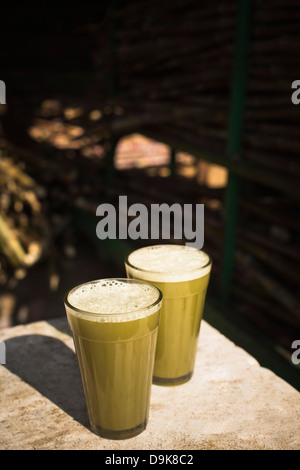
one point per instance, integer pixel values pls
(176, 101)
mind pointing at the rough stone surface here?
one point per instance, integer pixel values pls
(230, 403)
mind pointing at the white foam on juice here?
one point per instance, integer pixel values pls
(168, 263)
(114, 300)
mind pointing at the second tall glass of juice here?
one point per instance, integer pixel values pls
(182, 274)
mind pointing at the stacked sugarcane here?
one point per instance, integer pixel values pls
(160, 64)
(271, 137)
(267, 282)
(266, 279)
(169, 64)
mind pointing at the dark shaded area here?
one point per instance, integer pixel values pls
(45, 53)
(51, 368)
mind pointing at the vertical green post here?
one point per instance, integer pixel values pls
(233, 147)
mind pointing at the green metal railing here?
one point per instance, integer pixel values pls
(234, 139)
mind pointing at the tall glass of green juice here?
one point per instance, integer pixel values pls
(182, 274)
(114, 324)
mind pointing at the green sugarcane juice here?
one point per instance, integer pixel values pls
(182, 274)
(114, 325)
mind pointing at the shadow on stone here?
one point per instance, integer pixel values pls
(49, 366)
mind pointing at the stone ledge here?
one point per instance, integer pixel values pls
(230, 403)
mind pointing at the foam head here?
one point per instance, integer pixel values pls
(168, 263)
(114, 299)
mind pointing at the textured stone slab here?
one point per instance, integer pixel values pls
(230, 403)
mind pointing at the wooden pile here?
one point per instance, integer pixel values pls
(170, 63)
(266, 281)
(267, 278)
(271, 137)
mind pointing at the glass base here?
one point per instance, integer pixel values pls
(169, 382)
(117, 435)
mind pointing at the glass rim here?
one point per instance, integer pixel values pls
(111, 314)
(199, 268)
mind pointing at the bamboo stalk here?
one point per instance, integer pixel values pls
(10, 245)
(287, 269)
(265, 306)
(273, 161)
(287, 250)
(252, 269)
